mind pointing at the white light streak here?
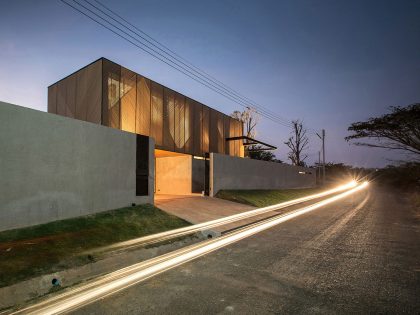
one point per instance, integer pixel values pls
(158, 237)
(126, 277)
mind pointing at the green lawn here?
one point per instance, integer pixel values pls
(58, 245)
(263, 198)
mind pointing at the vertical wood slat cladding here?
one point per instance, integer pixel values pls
(241, 132)
(61, 97)
(213, 131)
(216, 132)
(93, 92)
(189, 119)
(182, 123)
(81, 90)
(179, 123)
(111, 94)
(125, 100)
(128, 100)
(238, 144)
(65, 97)
(143, 106)
(226, 130)
(169, 120)
(232, 134)
(206, 125)
(220, 134)
(71, 96)
(198, 128)
(79, 95)
(52, 99)
(157, 114)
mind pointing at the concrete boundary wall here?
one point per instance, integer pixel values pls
(227, 172)
(53, 167)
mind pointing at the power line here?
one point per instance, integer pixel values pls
(177, 57)
(178, 67)
(182, 60)
(170, 62)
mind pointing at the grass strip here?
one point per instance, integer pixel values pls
(55, 246)
(263, 198)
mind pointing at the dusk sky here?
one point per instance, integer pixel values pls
(329, 63)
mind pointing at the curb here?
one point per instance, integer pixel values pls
(26, 291)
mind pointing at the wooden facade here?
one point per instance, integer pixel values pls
(109, 94)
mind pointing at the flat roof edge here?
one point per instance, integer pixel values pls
(74, 72)
(108, 60)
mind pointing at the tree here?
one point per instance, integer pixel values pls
(340, 171)
(297, 143)
(250, 118)
(405, 176)
(398, 130)
(257, 154)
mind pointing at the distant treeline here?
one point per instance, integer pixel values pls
(404, 176)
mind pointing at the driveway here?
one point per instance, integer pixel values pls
(197, 209)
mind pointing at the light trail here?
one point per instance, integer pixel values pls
(159, 237)
(126, 277)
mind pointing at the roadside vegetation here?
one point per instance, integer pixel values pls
(397, 130)
(263, 198)
(340, 172)
(404, 178)
(45, 248)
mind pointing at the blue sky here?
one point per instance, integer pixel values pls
(329, 63)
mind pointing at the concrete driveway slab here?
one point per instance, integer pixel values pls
(197, 209)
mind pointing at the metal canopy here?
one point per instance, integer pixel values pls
(247, 141)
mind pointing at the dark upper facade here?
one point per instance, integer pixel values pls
(106, 93)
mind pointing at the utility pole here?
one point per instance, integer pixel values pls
(319, 166)
(322, 137)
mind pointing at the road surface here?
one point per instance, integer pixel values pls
(355, 256)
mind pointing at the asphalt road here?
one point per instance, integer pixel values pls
(360, 255)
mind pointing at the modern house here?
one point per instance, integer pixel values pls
(106, 93)
(113, 138)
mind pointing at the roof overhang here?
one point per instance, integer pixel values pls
(247, 141)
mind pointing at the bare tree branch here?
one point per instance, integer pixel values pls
(250, 118)
(297, 144)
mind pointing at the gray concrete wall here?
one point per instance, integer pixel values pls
(227, 172)
(52, 168)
